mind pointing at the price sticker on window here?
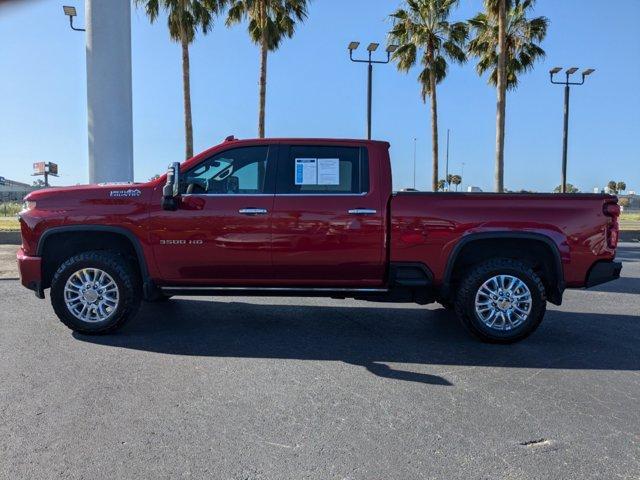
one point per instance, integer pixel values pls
(306, 171)
(328, 171)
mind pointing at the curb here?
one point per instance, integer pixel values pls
(10, 238)
(629, 235)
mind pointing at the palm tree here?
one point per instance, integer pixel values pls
(507, 44)
(185, 17)
(270, 21)
(456, 180)
(422, 29)
(613, 186)
(449, 181)
(570, 189)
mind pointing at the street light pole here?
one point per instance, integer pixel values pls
(565, 132)
(565, 138)
(415, 141)
(371, 48)
(369, 90)
(446, 168)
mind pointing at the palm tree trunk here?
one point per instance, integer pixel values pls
(434, 132)
(263, 70)
(186, 90)
(502, 96)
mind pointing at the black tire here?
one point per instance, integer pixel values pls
(122, 273)
(472, 282)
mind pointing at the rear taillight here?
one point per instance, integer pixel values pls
(612, 210)
(612, 235)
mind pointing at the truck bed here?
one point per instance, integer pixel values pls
(430, 225)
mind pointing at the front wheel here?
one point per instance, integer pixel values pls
(501, 301)
(95, 292)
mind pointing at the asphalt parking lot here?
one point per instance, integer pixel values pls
(262, 388)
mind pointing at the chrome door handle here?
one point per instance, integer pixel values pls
(252, 211)
(362, 211)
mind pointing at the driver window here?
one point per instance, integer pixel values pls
(237, 171)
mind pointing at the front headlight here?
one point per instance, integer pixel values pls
(26, 206)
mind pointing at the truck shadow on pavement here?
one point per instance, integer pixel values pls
(372, 337)
(622, 285)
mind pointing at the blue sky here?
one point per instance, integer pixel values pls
(314, 90)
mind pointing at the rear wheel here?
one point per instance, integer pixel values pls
(501, 301)
(95, 292)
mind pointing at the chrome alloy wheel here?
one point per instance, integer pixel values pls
(91, 295)
(503, 302)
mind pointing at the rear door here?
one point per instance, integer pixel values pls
(328, 217)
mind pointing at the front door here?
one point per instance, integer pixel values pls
(328, 218)
(221, 232)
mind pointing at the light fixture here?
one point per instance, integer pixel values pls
(567, 83)
(69, 10)
(370, 61)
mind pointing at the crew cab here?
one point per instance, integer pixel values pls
(311, 217)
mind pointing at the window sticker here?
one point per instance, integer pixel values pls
(328, 171)
(306, 172)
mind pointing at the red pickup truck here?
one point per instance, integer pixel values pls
(311, 217)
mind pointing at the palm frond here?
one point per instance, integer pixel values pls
(523, 38)
(422, 29)
(184, 18)
(280, 22)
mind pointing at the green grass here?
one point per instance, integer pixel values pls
(630, 221)
(630, 217)
(9, 224)
(9, 209)
(8, 220)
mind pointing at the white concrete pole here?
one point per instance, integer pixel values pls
(108, 24)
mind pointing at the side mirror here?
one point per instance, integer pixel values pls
(171, 189)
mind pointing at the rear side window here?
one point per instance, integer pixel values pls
(323, 170)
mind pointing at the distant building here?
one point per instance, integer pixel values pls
(472, 189)
(12, 191)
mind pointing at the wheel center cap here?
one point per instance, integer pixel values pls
(90, 295)
(504, 304)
